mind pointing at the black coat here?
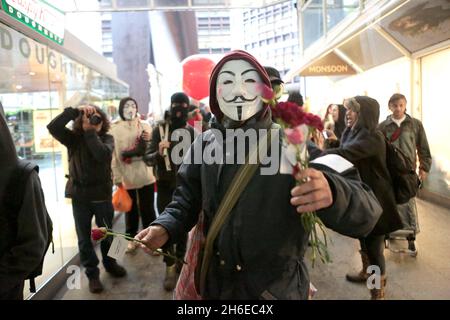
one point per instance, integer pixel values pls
(365, 147)
(263, 234)
(90, 155)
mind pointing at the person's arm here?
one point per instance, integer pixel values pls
(30, 245)
(57, 127)
(152, 155)
(100, 150)
(368, 145)
(355, 209)
(423, 149)
(180, 216)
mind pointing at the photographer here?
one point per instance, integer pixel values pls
(89, 186)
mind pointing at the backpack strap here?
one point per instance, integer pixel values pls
(237, 186)
(396, 134)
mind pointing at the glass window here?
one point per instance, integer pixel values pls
(37, 82)
(370, 49)
(337, 10)
(313, 22)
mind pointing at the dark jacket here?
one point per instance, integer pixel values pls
(412, 138)
(153, 158)
(264, 234)
(23, 234)
(365, 147)
(90, 158)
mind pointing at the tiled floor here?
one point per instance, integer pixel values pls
(426, 276)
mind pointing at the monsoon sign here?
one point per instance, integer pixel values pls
(39, 16)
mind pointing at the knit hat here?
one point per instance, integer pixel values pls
(179, 97)
(233, 55)
(122, 105)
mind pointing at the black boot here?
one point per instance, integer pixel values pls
(361, 276)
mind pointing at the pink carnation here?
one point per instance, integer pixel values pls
(294, 136)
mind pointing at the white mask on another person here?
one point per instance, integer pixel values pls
(129, 110)
(238, 90)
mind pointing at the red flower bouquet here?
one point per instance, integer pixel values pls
(298, 126)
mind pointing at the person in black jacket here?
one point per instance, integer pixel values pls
(157, 155)
(90, 184)
(24, 232)
(364, 145)
(259, 251)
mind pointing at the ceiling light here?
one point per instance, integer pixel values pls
(18, 87)
(32, 73)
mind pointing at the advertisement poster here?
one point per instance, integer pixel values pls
(44, 142)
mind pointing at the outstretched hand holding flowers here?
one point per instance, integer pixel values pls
(298, 127)
(98, 234)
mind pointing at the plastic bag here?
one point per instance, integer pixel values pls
(121, 200)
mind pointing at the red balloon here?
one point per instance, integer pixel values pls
(196, 73)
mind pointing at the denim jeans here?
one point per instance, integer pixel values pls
(83, 211)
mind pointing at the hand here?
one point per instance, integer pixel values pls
(146, 136)
(318, 139)
(87, 110)
(331, 135)
(153, 237)
(422, 175)
(163, 145)
(313, 194)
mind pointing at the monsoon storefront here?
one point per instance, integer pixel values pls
(42, 71)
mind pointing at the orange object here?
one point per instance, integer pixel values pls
(121, 200)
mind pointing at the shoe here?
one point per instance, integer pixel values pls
(116, 270)
(131, 248)
(412, 246)
(361, 276)
(171, 278)
(95, 286)
(379, 294)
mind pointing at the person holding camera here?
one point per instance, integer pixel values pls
(89, 183)
(131, 136)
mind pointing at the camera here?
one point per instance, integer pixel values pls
(93, 118)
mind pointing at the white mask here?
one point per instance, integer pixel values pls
(238, 90)
(129, 110)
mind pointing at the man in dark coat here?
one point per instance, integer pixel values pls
(259, 251)
(165, 171)
(364, 146)
(408, 134)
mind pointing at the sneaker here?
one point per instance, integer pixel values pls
(131, 248)
(116, 270)
(412, 246)
(95, 286)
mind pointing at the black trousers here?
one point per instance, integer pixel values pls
(11, 291)
(374, 247)
(165, 192)
(143, 200)
(83, 211)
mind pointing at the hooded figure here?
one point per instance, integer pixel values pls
(258, 252)
(179, 109)
(131, 136)
(20, 252)
(364, 145)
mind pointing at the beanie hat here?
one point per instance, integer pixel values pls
(179, 97)
(122, 105)
(234, 55)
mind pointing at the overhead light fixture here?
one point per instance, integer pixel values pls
(32, 73)
(18, 87)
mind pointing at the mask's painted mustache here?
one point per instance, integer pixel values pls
(243, 99)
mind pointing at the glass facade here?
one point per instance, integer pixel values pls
(37, 82)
